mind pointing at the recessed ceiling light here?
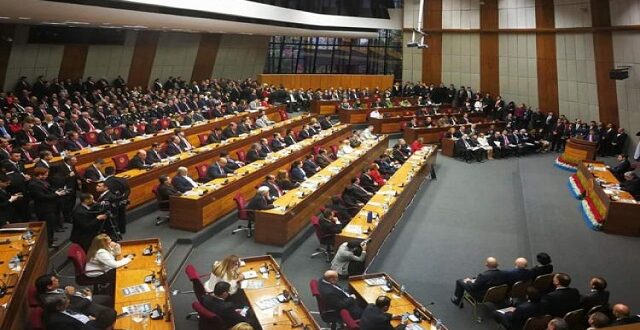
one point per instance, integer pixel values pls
(135, 26)
(53, 23)
(77, 23)
(24, 18)
(106, 23)
(4, 17)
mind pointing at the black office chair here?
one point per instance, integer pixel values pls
(163, 206)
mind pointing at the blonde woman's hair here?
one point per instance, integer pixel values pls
(242, 326)
(226, 267)
(98, 242)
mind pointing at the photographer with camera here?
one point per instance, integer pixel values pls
(110, 203)
(120, 188)
(88, 221)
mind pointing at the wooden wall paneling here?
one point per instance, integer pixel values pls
(6, 30)
(603, 56)
(305, 81)
(432, 56)
(74, 58)
(355, 82)
(144, 53)
(547, 67)
(489, 48)
(206, 57)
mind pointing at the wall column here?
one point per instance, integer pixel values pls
(546, 57)
(432, 56)
(489, 50)
(142, 60)
(74, 58)
(603, 55)
(206, 57)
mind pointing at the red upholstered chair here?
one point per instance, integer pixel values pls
(326, 240)
(331, 317)
(203, 139)
(35, 318)
(283, 115)
(349, 321)
(141, 128)
(165, 123)
(79, 260)
(91, 138)
(241, 156)
(163, 206)
(316, 150)
(32, 297)
(334, 150)
(117, 131)
(207, 320)
(121, 162)
(403, 125)
(243, 214)
(202, 171)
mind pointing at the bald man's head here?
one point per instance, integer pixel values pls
(621, 310)
(331, 276)
(492, 263)
(521, 263)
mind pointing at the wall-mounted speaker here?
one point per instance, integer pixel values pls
(619, 74)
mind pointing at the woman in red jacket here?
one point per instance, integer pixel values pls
(416, 145)
(376, 175)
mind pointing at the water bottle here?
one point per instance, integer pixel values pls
(402, 290)
(438, 324)
(158, 258)
(277, 278)
(405, 318)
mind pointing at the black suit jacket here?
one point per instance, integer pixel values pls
(594, 298)
(253, 155)
(92, 173)
(61, 321)
(165, 191)
(523, 311)
(172, 149)
(224, 309)
(277, 145)
(153, 158)
(373, 318)
(516, 275)
(309, 167)
(85, 226)
(104, 138)
(215, 171)
(6, 209)
(44, 197)
(561, 301)
(541, 270)
(486, 280)
(258, 202)
(333, 298)
(137, 163)
(289, 140)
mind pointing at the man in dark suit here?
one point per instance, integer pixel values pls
(232, 164)
(73, 142)
(277, 143)
(305, 133)
(289, 139)
(215, 136)
(309, 166)
(375, 316)
(44, 160)
(139, 161)
(563, 299)
(597, 296)
(93, 172)
(227, 311)
(106, 136)
(617, 142)
(260, 201)
(173, 146)
(325, 123)
(356, 193)
(45, 199)
(367, 182)
(87, 222)
(96, 306)
(274, 191)
(155, 154)
(515, 320)
(479, 285)
(230, 131)
(166, 189)
(622, 167)
(622, 315)
(6, 200)
(519, 273)
(217, 170)
(182, 182)
(265, 149)
(254, 153)
(631, 184)
(59, 316)
(335, 297)
(297, 173)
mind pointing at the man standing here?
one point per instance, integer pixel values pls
(87, 222)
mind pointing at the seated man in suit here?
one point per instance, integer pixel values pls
(215, 136)
(631, 184)
(289, 139)
(274, 190)
(479, 285)
(232, 164)
(622, 315)
(322, 159)
(155, 154)
(367, 182)
(375, 316)
(263, 121)
(95, 306)
(597, 296)
(622, 167)
(309, 166)
(357, 193)
(106, 136)
(335, 297)
(182, 182)
(563, 299)
(261, 201)
(73, 142)
(166, 189)
(265, 149)
(297, 173)
(469, 149)
(325, 123)
(519, 273)
(515, 320)
(93, 172)
(230, 131)
(226, 310)
(173, 146)
(218, 170)
(304, 133)
(254, 153)
(557, 323)
(139, 161)
(598, 320)
(59, 316)
(277, 143)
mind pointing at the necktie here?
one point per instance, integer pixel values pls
(27, 155)
(79, 144)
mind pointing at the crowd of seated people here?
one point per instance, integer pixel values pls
(556, 298)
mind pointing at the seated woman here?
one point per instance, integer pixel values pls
(102, 257)
(227, 271)
(374, 172)
(484, 144)
(283, 181)
(349, 259)
(345, 149)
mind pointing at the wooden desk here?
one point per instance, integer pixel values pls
(390, 125)
(143, 181)
(361, 116)
(620, 215)
(576, 150)
(330, 107)
(448, 147)
(396, 194)
(400, 303)
(89, 155)
(134, 274)
(293, 210)
(208, 203)
(15, 315)
(270, 289)
(433, 135)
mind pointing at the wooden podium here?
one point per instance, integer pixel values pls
(577, 150)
